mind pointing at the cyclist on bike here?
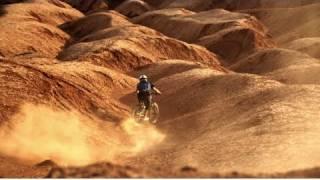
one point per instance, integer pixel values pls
(144, 91)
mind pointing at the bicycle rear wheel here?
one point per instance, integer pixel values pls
(154, 113)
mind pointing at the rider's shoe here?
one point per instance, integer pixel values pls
(153, 121)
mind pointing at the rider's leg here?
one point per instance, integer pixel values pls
(148, 104)
(140, 97)
(146, 101)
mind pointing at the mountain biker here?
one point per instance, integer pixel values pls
(144, 91)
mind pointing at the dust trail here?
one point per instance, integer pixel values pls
(38, 133)
(142, 136)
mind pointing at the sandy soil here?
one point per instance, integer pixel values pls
(240, 90)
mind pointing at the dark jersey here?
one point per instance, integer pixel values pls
(145, 87)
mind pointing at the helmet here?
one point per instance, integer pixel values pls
(143, 77)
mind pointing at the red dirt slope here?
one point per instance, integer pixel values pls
(126, 52)
(30, 28)
(283, 65)
(133, 8)
(269, 60)
(289, 24)
(87, 5)
(309, 46)
(107, 170)
(203, 5)
(230, 35)
(76, 106)
(235, 123)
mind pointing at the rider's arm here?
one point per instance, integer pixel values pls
(155, 89)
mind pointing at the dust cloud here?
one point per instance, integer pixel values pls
(142, 136)
(39, 133)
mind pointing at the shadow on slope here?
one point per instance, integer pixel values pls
(2, 10)
(3, 2)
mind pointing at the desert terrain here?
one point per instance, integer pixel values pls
(239, 79)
